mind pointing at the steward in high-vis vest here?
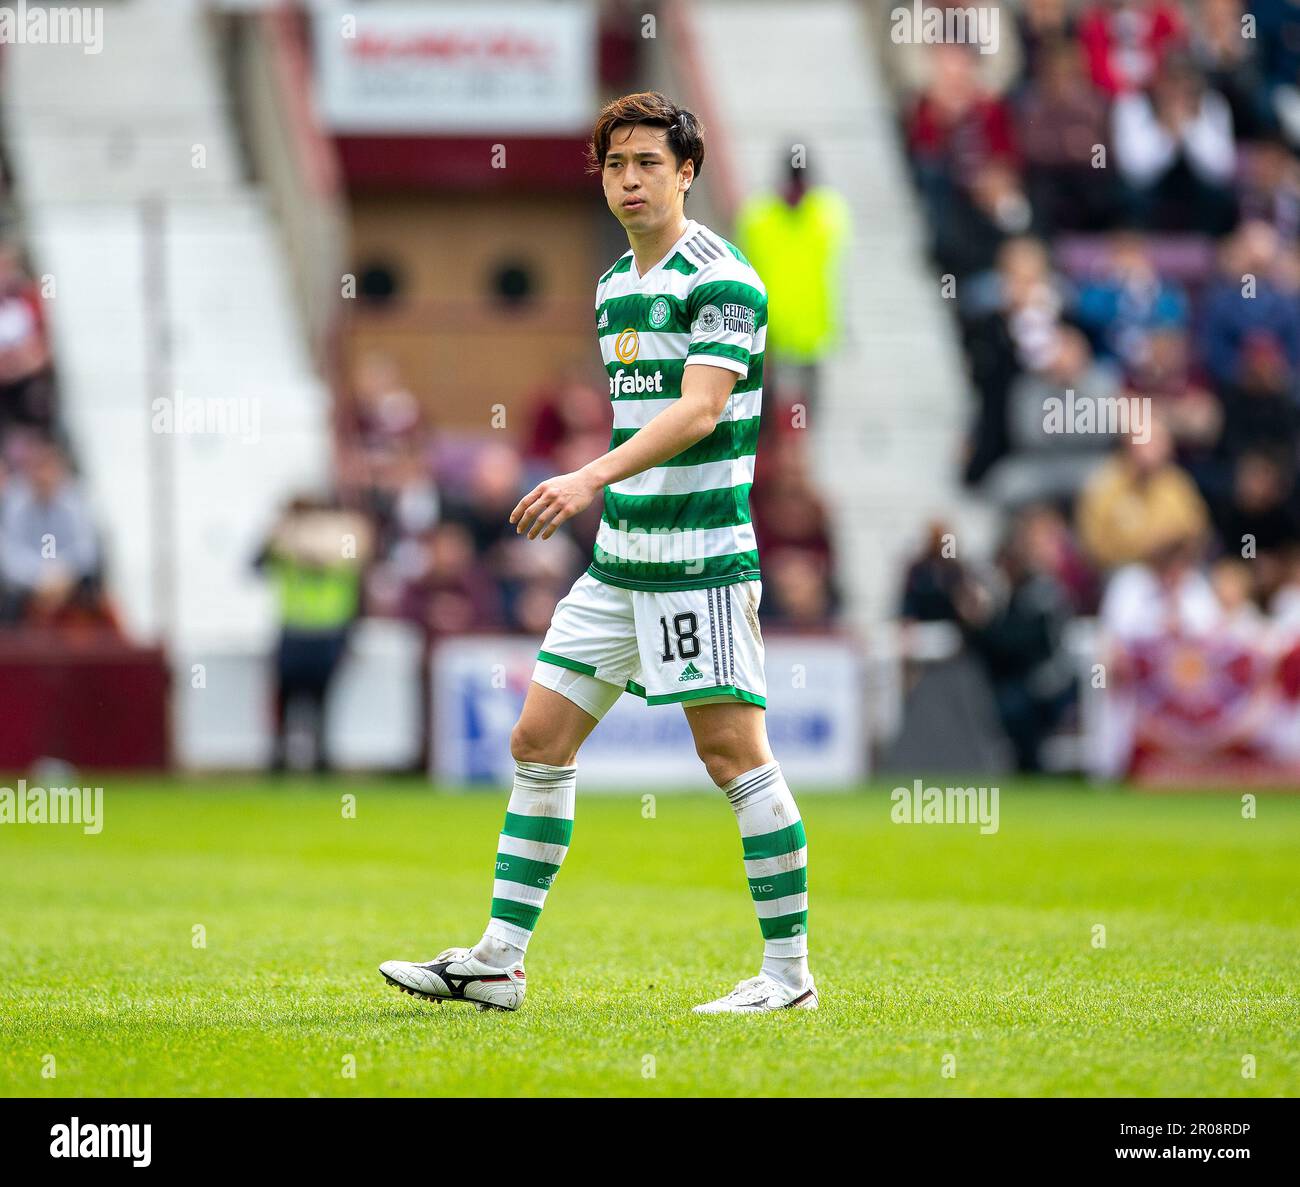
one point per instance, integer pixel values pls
(795, 240)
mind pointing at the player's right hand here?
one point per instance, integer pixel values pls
(551, 503)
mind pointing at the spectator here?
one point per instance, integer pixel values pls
(1051, 460)
(1041, 27)
(1284, 605)
(955, 128)
(981, 218)
(530, 570)
(1139, 503)
(1259, 411)
(26, 374)
(1259, 521)
(314, 557)
(798, 589)
(787, 509)
(1246, 301)
(495, 486)
(796, 239)
(49, 553)
(1049, 536)
(1016, 625)
(1239, 616)
(1127, 40)
(448, 592)
(1061, 122)
(534, 602)
(384, 411)
(911, 62)
(1174, 147)
(568, 409)
(1166, 594)
(1230, 62)
(1270, 188)
(1123, 308)
(1019, 333)
(1163, 374)
(932, 579)
(1278, 34)
(389, 482)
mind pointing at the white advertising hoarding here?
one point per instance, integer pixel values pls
(815, 719)
(456, 69)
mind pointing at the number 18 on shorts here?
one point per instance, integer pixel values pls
(683, 646)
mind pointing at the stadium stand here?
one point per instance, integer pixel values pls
(1100, 217)
(1116, 201)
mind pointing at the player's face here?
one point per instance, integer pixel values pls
(643, 185)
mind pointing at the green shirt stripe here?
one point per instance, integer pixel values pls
(723, 507)
(731, 439)
(666, 575)
(633, 309)
(672, 371)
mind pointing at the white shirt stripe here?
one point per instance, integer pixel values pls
(675, 546)
(636, 414)
(682, 480)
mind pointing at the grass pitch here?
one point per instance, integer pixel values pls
(928, 942)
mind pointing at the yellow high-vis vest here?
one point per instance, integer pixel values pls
(796, 251)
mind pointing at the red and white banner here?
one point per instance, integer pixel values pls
(456, 69)
(1214, 709)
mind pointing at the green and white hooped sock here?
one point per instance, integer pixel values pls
(534, 840)
(776, 863)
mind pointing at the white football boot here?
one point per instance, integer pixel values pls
(456, 976)
(762, 993)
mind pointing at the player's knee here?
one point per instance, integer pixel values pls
(719, 759)
(528, 743)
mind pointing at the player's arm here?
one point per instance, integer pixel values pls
(685, 421)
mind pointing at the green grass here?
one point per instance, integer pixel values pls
(927, 941)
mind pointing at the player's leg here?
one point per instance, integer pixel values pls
(533, 843)
(562, 707)
(704, 649)
(586, 660)
(731, 740)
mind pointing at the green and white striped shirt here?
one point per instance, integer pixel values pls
(683, 524)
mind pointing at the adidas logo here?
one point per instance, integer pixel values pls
(691, 673)
(604, 319)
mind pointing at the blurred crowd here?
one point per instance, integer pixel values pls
(445, 555)
(51, 566)
(1115, 196)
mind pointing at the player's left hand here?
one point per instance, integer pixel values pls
(552, 502)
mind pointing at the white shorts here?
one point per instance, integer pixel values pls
(690, 646)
